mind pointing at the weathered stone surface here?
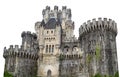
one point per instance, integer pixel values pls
(54, 51)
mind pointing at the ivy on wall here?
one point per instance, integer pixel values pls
(97, 51)
(89, 58)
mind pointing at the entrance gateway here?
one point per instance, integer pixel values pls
(49, 73)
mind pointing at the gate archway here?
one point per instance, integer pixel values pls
(49, 73)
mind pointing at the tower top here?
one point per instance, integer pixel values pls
(65, 14)
(106, 24)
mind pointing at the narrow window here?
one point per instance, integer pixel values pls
(46, 48)
(49, 48)
(47, 32)
(51, 31)
(52, 48)
(67, 49)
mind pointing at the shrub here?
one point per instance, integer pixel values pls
(116, 74)
(97, 75)
(7, 74)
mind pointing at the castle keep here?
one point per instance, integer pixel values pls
(54, 51)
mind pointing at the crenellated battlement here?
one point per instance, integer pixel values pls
(37, 25)
(28, 40)
(56, 13)
(70, 56)
(12, 48)
(28, 34)
(27, 49)
(100, 24)
(17, 51)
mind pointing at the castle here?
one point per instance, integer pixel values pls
(54, 51)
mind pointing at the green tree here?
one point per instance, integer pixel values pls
(105, 75)
(97, 75)
(7, 74)
(116, 74)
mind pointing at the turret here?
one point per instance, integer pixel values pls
(69, 14)
(56, 12)
(28, 39)
(56, 8)
(98, 41)
(104, 24)
(63, 12)
(45, 13)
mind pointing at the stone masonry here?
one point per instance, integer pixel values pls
(54, 51)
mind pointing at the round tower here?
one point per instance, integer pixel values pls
(98, 41)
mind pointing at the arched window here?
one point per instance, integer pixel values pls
(49, 48)
(66, 49)
(46, 48)
(47, 32)
(52, 48)
(75, 48)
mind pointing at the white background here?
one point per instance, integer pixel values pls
(20, 15)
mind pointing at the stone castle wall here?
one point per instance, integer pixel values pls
(55, 51)
(22, 62)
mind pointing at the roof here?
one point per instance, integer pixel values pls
(51, 24)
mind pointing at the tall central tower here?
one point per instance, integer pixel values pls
(55, 26)
(98, 41)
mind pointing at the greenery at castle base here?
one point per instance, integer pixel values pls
(116, 74)
(99, 75)
(7, 74)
